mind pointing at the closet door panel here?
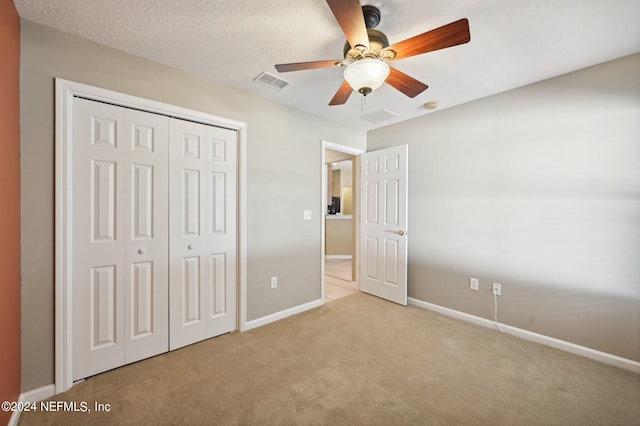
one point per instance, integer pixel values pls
(98, 238)
(146, 229)
(203, 232)
(220, 151)
(120, 239)
(186, 212)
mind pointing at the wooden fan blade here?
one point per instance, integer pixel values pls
(406, 84)
(349, 15)
(448, 35)
(299, 66)
(341, 96)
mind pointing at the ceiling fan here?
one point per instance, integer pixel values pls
(367, 51)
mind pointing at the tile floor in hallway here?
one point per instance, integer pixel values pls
(337, 279)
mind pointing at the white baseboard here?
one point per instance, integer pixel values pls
(563, 345)
(14, 419)
(39, 394)
(338, 256)
(35, 395)
(282, 314)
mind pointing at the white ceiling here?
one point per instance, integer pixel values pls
(513, 43)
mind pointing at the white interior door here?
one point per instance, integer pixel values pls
(383, 260)
(120, 273)
(203, 232)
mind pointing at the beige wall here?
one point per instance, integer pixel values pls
(338, 235)
(274, 133)
(538, 189)
(10, 202)
(340, 179)
(336, 182)
(347, 200)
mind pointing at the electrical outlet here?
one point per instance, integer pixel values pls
(473, 284)
(274, 282)
(497, 289)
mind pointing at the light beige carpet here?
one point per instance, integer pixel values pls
(359, 361)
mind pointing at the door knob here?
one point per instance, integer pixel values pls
(190, 247)
(141, 251)
(400, 232)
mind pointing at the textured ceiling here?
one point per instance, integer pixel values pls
(513, 43)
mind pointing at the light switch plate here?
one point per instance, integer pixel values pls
(306, 214)
(473, 284)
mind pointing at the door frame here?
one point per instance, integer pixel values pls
(355, 220)
(65, 93)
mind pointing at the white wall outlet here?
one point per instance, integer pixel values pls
(306, 214)
(473, 284)
(497, 289)
(274, 282)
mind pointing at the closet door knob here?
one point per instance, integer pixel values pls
(190, 247)
(141, 251)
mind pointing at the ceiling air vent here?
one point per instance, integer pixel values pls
(379, 116)
(271, 81)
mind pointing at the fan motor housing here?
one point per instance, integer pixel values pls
(377, 39)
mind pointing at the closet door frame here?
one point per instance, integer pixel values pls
(66, 93)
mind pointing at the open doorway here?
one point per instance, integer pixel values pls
(340, 244)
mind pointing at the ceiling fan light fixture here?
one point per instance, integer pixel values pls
(366, 75)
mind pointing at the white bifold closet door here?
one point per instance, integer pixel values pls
(120, 234)
(203, 233)
(154, 234)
